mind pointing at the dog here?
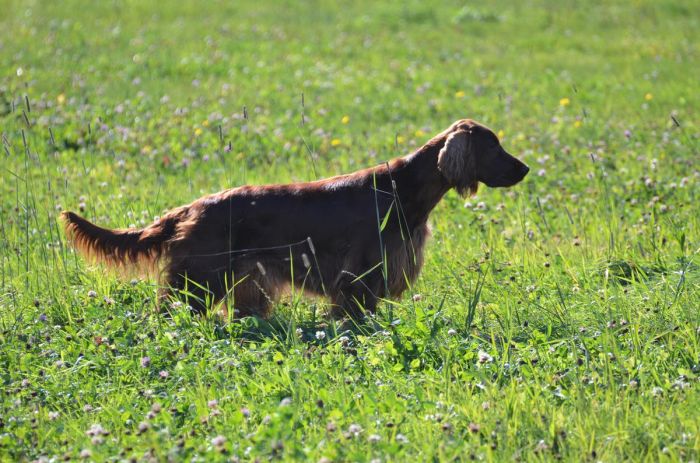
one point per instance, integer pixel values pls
(353, 238)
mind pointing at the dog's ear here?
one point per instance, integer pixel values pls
(457, 162)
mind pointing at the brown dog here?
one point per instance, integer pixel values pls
(353, 238)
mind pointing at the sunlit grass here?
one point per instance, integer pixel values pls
(557, 319)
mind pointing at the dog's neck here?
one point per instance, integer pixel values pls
(419, 183)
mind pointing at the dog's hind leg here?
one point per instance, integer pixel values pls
(199, 292)
(252, 297)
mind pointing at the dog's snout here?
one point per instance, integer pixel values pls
(518, 170)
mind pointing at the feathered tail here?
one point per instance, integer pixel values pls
(140, 248)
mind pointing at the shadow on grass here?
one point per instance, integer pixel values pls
(283, 326)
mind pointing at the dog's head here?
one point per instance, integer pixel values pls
(473, 154)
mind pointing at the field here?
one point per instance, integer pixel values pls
(558, 319)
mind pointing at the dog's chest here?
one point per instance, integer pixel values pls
(405, 258)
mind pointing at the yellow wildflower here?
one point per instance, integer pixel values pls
(335, 142)
(520, 136)
(205, 123)
(197, 132)
(345, 119)
(648, 97)
(460, 94)
(501, 134)
(564, 102)
(146, 149)
(400, 140)
(578, 124)
(420, 133)
(61, 98)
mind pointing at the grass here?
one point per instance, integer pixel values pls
(555, 320)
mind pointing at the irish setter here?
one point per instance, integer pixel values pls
(353, 238)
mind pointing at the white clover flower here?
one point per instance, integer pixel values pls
(286, 402)
(218, 441)
(484, 357)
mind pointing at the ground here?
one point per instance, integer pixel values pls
(557, 319)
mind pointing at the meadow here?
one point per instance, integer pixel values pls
(556, 320)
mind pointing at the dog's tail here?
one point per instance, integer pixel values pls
(139, 248)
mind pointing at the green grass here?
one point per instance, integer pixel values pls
(557, 319)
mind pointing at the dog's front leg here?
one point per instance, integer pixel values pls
(355, 298)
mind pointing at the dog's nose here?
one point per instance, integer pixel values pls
(524, 170)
